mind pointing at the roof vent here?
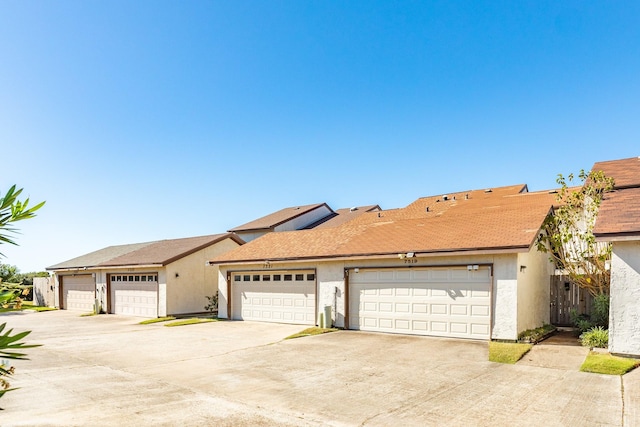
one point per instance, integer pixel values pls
(379, 215)
(445, 197)
(353, 209)
(488, 190)
(427, 208)
(553, 191)
(466, 196)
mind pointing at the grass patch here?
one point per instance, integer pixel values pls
(503, 352)
(604, 363)
(193, 321)
(27, 307)
(311, 331)
(37, 308)
(157, 319)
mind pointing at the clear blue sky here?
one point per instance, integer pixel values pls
(146, 120)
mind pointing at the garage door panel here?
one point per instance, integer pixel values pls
(420, 325)
(442, 301)
(459, 328)
(132, 296)
(79, 292)
(420, 308)
(287, 297)
(459, 310)
(480, 330)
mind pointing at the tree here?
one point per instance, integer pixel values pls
(567, 234)
(8, 273)
(11, 210)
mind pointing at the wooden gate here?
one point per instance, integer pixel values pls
(566, 296)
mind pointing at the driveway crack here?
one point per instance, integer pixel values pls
(622, 396)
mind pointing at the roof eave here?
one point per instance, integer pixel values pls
(231, 236)
(90, 269)
(617, 237)
(444, 252)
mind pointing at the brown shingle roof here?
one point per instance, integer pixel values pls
(159, 252)
(626, 172)
(274, 219)
(342, 215)
(619, 214)
(505, 218)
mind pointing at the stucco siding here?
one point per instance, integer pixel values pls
(190, 280)
(330, 277)
(534, 270)
(624, 312)
(223, 296)
(505, 298)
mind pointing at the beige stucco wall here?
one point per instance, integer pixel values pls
(534, 270)
(184, 294)
(331, 284)
(196, 279)
(624, 311)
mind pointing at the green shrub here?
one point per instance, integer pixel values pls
(212, 305)
(580, 321)
(599, 315)
(534, 335)
(595, 337)
(600, 311)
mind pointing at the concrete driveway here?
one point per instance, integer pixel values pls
(108, 370)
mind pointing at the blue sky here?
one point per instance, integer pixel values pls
(146, 120)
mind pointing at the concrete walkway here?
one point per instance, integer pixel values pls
(560, 351)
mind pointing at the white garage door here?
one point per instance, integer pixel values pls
(283, 297)
(450, 302)
(135, 294)
(79, 292)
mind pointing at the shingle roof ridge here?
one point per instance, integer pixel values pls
(523, 189)
(277, 217)
(108, 254)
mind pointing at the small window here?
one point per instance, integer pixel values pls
(131, 278)
(137, 278)
(150, 278)
(246, 278)
(311, 276)
(277, 277)
(124, 278)
(237, 278)
(143, 278)
(256, 277)
(299, 277)
(287, 277)
(155, 278)
(116, 278)
(266, 277)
